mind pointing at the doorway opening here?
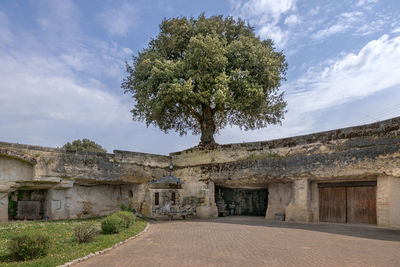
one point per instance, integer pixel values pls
(239, 201)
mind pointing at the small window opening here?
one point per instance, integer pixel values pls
(173, 198)
(130, 193)
(156, 198)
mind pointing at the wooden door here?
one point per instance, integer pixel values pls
(332, 204)
(361, 204)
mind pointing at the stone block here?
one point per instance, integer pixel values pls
(3, 207)
(298, 214)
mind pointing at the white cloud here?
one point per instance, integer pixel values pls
(263, 11)
(119, 20)
(372, 27)
(273, 32)
(60, 19)
(355, 76)
(342, 23)
(266, 15)
(366, 2)
(351, 78)
(37, 86)
(6, 34)
(292, 20)
(397, 30)
(314, 11)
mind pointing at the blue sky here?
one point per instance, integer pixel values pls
(62, 63)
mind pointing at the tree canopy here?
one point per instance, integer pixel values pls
(201, 74)
(84, 145)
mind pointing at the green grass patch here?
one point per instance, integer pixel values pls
(63, 245)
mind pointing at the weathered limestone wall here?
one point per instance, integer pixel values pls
(12, 169)
(85, 199)
(360, 153)
(388, 201)
(279, 196)
(314, 205)
(3, 207)
(290, 168)
(198, 190)
(299, 209)
(395, 202)
(323, 142)
(78, 184)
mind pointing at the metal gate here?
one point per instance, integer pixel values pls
(347, 202)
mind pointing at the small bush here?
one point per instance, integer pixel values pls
(125, 208)
(127, 218)
(85, 233)
(111, 224)
(29, 246)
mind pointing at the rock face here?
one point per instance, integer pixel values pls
(290, 171)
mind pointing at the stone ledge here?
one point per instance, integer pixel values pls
(373, 129)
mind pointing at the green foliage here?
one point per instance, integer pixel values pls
(125, 208)
(201, 74)
(111, 224)
(63, 244)
(84, 233)
(84, 145)
(29, 246)
(127, 218)
(12, 208)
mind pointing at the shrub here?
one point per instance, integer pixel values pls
(111, 224)
(12, 208)
(85, 233)
(125, 208)
(127, 218)
(29, 246)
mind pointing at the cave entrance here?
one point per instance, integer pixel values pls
(239, 201)
(27, 205)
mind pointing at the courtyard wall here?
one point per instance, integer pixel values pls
(80, 184)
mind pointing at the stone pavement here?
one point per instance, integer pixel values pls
(252, 241)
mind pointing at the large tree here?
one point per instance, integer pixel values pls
(201, 74)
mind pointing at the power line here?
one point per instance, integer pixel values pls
(378, 116)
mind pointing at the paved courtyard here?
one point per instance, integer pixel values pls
(251, 241)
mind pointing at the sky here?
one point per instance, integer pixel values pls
(62, 64)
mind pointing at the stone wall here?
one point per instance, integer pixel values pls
(12, 169)
(328, 141)
(291, 168)
(86, 184)
(78, 184)
(388, 201)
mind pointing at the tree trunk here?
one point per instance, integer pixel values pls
(207, 127)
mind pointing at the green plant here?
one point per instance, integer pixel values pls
(12, 208)
(202, 74)
(84, 233)
(63, 246)
(127, 218)
(125, 208)
(29, 246)
(84, 145)
(111, 224)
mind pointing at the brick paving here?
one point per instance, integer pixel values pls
(252, 241)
